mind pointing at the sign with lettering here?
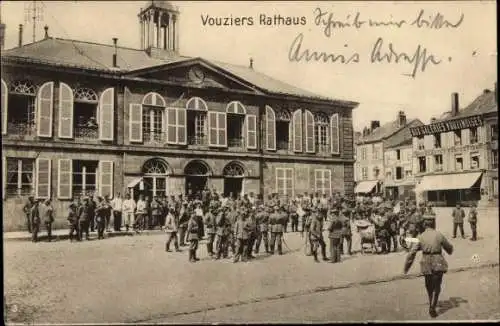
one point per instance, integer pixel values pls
(445, 126)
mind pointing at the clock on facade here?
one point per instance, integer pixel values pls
(196, 75)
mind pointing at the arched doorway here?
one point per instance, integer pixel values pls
(197, 173)
(155, 178)
(234, 174)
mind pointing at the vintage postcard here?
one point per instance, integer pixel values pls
(180, 162)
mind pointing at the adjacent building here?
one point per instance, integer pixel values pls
(383, 158)
(456, 156)
(80, 117)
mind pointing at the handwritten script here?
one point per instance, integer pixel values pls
(419, 57)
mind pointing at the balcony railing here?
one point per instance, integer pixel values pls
(236, 142)
(86, 133)
(21, 128)
(197, 140)
(154, 138)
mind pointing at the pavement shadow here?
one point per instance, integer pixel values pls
(451, 303)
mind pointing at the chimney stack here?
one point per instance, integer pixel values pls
(454, 104)
(46, 28)
(20, 35)
(374, 125)
(401, 118)
(251, 63)
(115, 41)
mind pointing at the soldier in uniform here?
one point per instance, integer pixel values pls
(92, 205)
(73, 219)
(85, 212)
(316, 235)
(35, 221)
(27, 211)
(346, 232)
(241, 236)
(183, 223)
(193, 233)
(433, 265)
(156, 212)
(473, 221)
(252, 232)
(100, 213)
(171, 227)
(262, 223)
(230, 224)
(458, 215)
(335, 235)
(276, 230)
(210, 223)
(46, 213)
(221, 233)
(306, 227)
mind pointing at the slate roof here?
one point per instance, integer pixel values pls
(484, 103)
(391, 133)
(95, 56)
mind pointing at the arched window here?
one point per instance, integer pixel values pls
(85, 113)
(235, 124)
(233, 169)
(283, 127)
(153, 118)
(21, 111)
(197, 127)
(197, 168)
(155, 177)
(321, 134)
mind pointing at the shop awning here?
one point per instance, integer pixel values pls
(448, 181)
(134, 182)
(365, 186)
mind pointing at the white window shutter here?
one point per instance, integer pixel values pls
(270, 129)
(4, 102)
(309, 128)
(45, 103)
(66, 102)
(251, 125)
(107, 114)
(43, 178)
(222, 129)
(212, 128)
(335, 133)
(297, 131)
(65, 179)
(106, 178)
(181, 126)
(135, 123)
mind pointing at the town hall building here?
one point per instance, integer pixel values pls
(80, 118)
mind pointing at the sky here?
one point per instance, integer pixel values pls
(466, 53)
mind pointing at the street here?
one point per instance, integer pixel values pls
(132, 279)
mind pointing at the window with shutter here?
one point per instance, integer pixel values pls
(176, 126)
(106, 178)
(217, 136)
(135, 123)
(251, 131)
(335, 133)
(106, 114)
(64, 179)
(4, 103)
(43, 178)
(181, 126)
(221, 129)
(309, 128)
(297, 130)
(44, 112)
(270, 129)
(65, 111)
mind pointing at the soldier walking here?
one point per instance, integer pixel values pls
(433, 265)
(193, 237)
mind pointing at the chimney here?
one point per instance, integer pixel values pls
(20, 35)
(46, 28)
(2, 36)
(251, 63)
(374, 125)
(454, 104)
(401, 118)
(115, 41)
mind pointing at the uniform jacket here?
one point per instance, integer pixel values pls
(241, 229)
(45, 213)
(192, 229)
(276, 223)
(183, 218)
(346, 225)
(210, 223)
(458, 215)
(472, 215)
(221, 224)
(27, 208)
(85, 212)
(335, 227)
(263, 221)
(170, 223)
(316, 229)
(35, 216)
(156, 208)
(73, 214)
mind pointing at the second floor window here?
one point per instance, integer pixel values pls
(459, 163)
(399, 173)
(197, 121)
(473, 135)
(438, 162)
(321, 133)
(474, 161)
(152, 124)
(422, 164)
(283, 120)
(85, 115)
(235, 122)
(457, 137)
(363, 153)
(21, 118)
(437, 140)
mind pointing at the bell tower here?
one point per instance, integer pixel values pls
(159, 21)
